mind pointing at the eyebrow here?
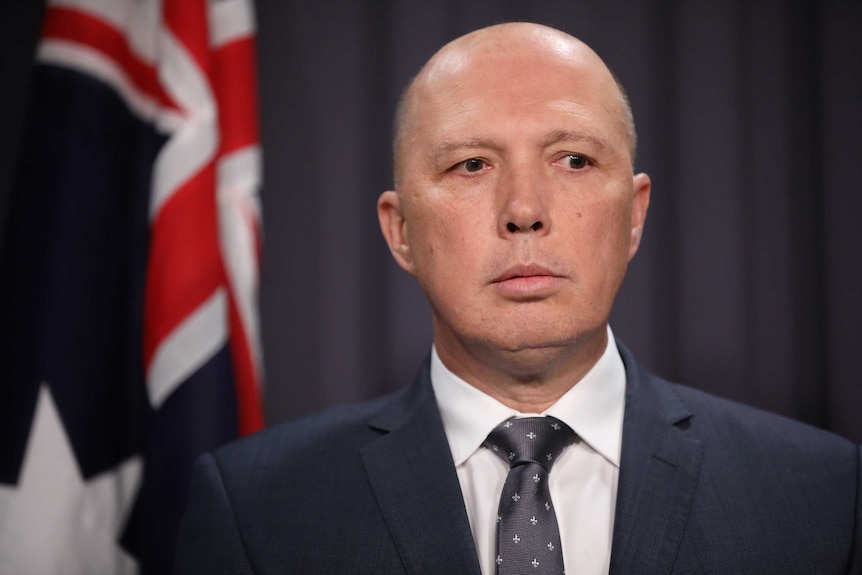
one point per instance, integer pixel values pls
(443, 149)
(468, 143)
(553, 137)
(558, 136)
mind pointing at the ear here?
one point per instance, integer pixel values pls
(641, 186)
(393, 224)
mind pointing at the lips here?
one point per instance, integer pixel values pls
(529, 282)
(524, 271)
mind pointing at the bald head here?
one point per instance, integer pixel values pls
(479, 55)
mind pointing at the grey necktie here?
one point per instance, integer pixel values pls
(528, 537)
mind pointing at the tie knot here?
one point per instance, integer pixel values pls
(530, 439)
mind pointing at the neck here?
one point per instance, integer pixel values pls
(527, 380)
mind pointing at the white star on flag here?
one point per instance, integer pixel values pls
(77, 527)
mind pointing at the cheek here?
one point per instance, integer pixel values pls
(604, 235)
(447, 231)
(436, 241)
(616, 223)
(430, 240)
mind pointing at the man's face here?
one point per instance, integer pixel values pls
(517, 209)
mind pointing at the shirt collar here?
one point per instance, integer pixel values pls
(593, 408)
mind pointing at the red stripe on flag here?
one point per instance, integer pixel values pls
(79, 27)
(234, 83)
(235, 86)
(188, 21)
(246, 376)
(185, 265)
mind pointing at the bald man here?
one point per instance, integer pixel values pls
(517, 209)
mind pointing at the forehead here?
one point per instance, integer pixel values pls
(524, 88)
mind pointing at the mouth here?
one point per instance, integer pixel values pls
(524, 272)
(530, 281)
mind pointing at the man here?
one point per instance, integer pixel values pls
(517, 209)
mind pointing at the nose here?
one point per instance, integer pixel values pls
(523, 204)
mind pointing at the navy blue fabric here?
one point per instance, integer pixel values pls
(712, 486)
(363, 489)
(175, 437)
(73, 267)
(706, 486)
(73, 272)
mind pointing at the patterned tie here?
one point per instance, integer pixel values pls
(528, 538)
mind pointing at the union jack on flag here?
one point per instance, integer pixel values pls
(129, 333)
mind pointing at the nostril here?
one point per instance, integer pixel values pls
(512, 227)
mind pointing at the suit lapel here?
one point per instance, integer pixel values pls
(411, 472)
(659, 469)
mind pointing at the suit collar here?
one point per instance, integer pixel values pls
(659, 470)
(411, 471)
(593, 407)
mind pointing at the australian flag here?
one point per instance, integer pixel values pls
(128, 280)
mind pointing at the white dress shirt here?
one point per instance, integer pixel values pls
(583, 482)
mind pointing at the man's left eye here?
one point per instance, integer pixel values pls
(577, 161)
(472, 165)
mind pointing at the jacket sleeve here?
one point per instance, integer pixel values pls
(856, 557)
(209, 540)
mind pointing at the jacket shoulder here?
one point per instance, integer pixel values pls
(739, 424)
(329, 433)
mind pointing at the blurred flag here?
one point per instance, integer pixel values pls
(128, 280)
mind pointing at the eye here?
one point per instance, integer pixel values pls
(471, 165)
(577, 161)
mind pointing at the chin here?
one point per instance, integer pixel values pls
(533, 348)
(553, 330)
(544, 344)
(532, 364)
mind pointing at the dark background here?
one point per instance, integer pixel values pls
(749, 280)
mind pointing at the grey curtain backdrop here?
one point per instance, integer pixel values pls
(749, 280)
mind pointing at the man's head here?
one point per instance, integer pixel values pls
(404, 112)
(515, 203)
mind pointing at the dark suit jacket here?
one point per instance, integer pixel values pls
(706, 486)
